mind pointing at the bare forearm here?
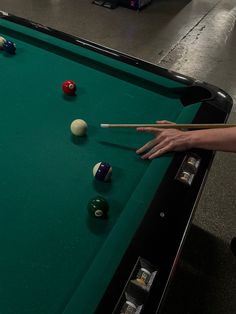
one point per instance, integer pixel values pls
(167, 140)
(214, 139)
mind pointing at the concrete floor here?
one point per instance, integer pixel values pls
(197, 38)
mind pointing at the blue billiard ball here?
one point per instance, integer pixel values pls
(9, 47)
(102, 171)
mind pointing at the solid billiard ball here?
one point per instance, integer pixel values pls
(98, 207)
(79, 127)
(69, 87)
(2, 42)
(102, 171)
(9, 47)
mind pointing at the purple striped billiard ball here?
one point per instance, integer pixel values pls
(102, 171)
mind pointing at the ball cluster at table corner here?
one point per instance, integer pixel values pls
(7, 45)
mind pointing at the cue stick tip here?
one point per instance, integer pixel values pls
(104, 125)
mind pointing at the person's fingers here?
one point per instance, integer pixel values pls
(160, 152)
(153, 145)
(146, 156)
(147, 146)
(161, 148)
(153, 150)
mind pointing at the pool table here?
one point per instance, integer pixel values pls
(56, 257)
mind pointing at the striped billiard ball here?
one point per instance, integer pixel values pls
(102, 171)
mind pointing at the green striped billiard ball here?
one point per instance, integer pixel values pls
(98, 207)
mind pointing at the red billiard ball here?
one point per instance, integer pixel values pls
(69, 87)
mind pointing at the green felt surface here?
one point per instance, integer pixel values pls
(54, 256)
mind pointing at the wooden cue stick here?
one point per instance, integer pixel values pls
(171, 126)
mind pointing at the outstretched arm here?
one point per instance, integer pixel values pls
(166, 140)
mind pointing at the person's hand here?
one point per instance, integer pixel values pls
(164, 141)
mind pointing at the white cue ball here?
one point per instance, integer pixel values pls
(2, 42)
(79, 127)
